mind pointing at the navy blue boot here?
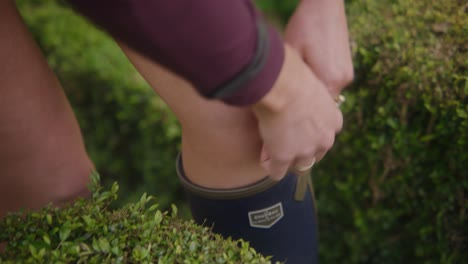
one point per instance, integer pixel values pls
(268, 214)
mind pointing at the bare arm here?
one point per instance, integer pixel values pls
(318, 30)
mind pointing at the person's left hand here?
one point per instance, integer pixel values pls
(318, 30)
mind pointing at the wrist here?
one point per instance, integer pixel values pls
(279, 95)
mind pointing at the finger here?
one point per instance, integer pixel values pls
(278, 169)
(303, 164)
(340, 99)
(264, 155)
(339, 122)
(334, 91)
(319, 155)
(265, 159)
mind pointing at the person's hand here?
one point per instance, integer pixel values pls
(318, 30)
(298, 119)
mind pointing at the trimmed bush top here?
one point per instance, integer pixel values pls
(87, 231)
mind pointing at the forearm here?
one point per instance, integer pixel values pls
(208, 42)
(328, 13)
(324, 6)
(318, 30)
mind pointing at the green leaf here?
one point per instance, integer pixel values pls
(49, 219)
(158, 217)
(64, 232)
(104, 244)
(174, 210)
(46, 239)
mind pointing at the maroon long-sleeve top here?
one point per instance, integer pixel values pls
(208, 42)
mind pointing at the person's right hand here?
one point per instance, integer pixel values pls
(298, 118)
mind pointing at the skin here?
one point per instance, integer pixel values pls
(297, 119)
(220, 143)
(318, 31)
(42, 158)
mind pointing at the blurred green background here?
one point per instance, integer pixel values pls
(395, 186)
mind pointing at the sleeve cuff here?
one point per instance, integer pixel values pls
(257, 87)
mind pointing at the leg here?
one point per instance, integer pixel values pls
(220, 143)
(42, 156)
(221, 171)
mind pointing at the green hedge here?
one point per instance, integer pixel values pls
(88, 231)
(394, 187)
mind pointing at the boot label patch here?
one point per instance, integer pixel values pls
(266, 217)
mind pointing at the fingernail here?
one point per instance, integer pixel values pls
(264, 155)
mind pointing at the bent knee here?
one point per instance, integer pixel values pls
(76, 187)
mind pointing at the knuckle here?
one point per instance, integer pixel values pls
(348, 76)
(308, 153)
(342, 78)
(281, 158)
(328, 141)
(320, 156)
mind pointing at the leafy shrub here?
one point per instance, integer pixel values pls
(277, 11)
(88, 231)
(394, 189)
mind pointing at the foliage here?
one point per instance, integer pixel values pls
(88, 231)
(394, 189)
(277, 10)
